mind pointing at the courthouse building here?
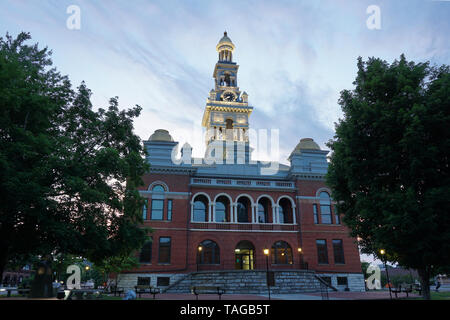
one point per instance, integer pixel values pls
(210, 216)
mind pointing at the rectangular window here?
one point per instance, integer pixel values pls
(316, 216)
(336, 213)
(342, 281)
(325, 214)
(169, 210)
(143, 281)
(145, 255)
(162, 281)
(322, 253)
(338, 249)
(157, 209)
(164, 250)
(144, 209)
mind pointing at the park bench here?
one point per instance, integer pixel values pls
(207, 290)
(140, 289)
(418, 288)
(116, 290)
(406, 289)
(396, 290)
(23, 292)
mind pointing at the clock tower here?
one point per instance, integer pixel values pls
(227, 110)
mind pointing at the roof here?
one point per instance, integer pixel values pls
(161, 135)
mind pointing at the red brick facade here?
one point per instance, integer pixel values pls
(186, 235)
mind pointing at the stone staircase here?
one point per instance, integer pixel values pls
(249, 281)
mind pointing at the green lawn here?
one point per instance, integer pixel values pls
(434, 296)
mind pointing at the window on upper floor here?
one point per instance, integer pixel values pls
(285, 211)
(316, 214)
(169, 209)
(144, 209)
(200, 209)
(325, 208)
(157, 209)
(243, 209)
(221, 211)
(158, 188)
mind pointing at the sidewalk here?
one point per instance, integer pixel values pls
(371, 295)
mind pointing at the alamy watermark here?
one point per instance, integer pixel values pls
(373, 22)
(374, 279)
(73, 22)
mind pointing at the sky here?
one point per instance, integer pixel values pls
(295, 57)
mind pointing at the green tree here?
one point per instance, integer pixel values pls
(115, 265)
(389, 169)
(68, 174)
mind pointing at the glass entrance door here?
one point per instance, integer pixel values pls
(244, 256)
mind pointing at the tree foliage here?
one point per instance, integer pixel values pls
(389, 169)
(68, 174)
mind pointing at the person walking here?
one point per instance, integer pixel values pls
(438, 284)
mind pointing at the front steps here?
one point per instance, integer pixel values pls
(249, 282)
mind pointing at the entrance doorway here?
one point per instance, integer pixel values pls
(244, 256)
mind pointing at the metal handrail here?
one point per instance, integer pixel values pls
(324, 285)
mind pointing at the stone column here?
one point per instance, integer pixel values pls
(214, 212)
(294, 220)
(209, 211)
(277, 214)
(234, 205)
(254, 217)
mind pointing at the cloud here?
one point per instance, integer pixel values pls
(294, 56)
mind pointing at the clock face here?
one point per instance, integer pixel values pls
(228, 96)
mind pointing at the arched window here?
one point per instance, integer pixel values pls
(263, 211)
(281, 253)
(222, 209)
(243, 206)
(229, 124)
(285, 211)
(200, 205)
(208, 252)
(325, 207)
(145, 255)
(158, 188)
(227, 80)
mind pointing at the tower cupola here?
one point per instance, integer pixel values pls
(225, 48)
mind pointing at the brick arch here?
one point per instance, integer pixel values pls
(225, 195)
(202, 194)
(286, 197)
(327, 190)
(158, 182)
(265, 196)
(252, 202)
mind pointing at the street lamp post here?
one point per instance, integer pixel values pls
(266, 253)
(198, 255)
(300, 258)
(383, 252)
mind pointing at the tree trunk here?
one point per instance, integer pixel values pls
(424, 275)
(3, 261)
